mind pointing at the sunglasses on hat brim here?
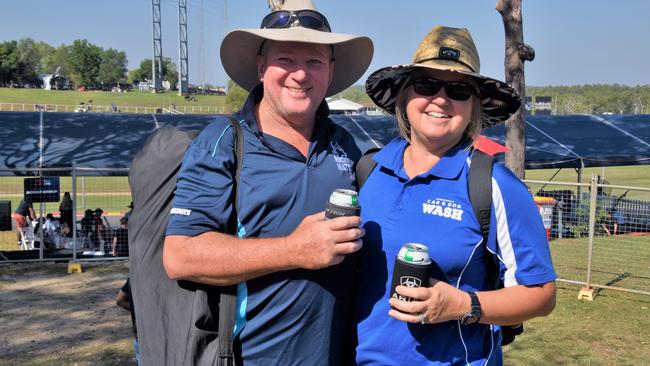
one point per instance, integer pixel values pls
(306, 18)
(456, 90)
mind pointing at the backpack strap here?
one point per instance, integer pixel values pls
(480, 189)
(479, 185)
(365, 166)
(228, 295)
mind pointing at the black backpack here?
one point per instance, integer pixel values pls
(178, 322)
(480, 194)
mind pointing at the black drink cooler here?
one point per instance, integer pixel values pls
(342, 202)
(412, 268)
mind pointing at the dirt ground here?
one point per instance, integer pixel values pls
(49, 317)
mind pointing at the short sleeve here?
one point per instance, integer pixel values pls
(521, 240)
(203, 197)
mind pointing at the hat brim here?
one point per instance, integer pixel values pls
(500, 101)
(240, 47)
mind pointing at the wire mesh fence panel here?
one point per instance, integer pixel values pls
(565, 213)
(621, 250)
(101, 198)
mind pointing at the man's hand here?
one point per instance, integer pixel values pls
(318, 243)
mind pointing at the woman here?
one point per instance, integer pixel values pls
(65, 211)
(441, 103)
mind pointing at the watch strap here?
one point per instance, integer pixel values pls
(475, 313)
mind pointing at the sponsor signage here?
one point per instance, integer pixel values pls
(543, 105)
(42, 189)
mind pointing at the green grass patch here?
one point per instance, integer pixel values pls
(611, 330)
(101, 98)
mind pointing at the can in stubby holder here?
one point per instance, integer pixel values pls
(412, 268)
(342, 202)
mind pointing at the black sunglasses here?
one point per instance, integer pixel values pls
(456, 90)
(307, 18)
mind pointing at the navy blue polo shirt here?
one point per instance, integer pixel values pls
(296, 317)
(434, 209)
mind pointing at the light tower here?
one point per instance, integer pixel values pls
(156, 61)
(182, 47)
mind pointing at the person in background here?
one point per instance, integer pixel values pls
(65, 212)
(51, 232)
(418, 193)
(120, 241)
(23, 215)
(125, 301)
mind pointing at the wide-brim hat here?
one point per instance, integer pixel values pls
(240, 47)
(453, 50)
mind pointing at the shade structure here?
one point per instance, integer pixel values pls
(101, 140)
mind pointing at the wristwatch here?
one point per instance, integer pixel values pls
(474, 315)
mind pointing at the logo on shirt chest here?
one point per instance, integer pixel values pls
(444, 208)
(343, 163)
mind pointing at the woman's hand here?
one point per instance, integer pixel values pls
(436, 304)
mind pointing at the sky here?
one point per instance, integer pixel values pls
(576, 41)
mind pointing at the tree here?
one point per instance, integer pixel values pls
(516, 53)
(58, 59)
(31, 55)
(10, 66)
(85, 59)
(235, 98)
(112, 68)
(143, 73)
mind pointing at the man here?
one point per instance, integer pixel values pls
(23, 215)
(293, 269)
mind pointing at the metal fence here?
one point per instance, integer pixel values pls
(599, 234)
(85, 108)
(90, 189)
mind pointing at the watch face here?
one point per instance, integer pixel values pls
(470, 318)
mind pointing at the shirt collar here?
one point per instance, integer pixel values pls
(449, 167)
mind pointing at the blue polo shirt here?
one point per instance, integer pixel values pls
(296, 317)
(434, 209)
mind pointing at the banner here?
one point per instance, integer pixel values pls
(42, 189)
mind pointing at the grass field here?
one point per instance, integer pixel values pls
(614, 329)
(132, 98)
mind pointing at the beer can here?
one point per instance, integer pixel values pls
(412, 268)
(342, 202)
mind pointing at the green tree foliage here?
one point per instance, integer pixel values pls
(10, 66)
(143, 72)
(112, 68)
(357, 94)
(85, 59)
(58, 59)
(31, 55)
(235, 97)
(596, 98)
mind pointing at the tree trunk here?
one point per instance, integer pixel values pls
(275, 4)
(510, 11)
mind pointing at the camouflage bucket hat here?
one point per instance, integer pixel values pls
(453, 50)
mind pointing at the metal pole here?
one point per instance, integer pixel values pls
(83, 193)
(182, 48)
(156, 62)
(74, 210)
(592, 225)
(40, 174)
